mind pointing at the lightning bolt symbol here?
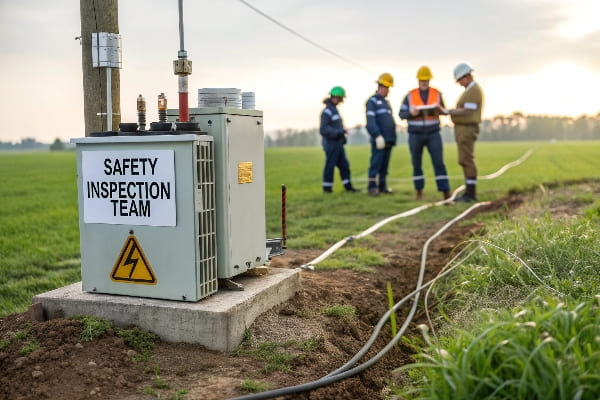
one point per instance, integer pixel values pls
(130, 260)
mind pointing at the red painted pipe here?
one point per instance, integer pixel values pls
(184, 115)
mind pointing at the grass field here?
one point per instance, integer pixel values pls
(39, 239)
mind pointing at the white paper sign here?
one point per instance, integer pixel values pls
(129, 187)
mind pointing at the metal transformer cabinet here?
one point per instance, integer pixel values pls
(147, 216)
(240, 184)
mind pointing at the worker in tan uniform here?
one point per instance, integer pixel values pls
(466, 118)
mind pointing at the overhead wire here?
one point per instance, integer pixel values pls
(302, 37)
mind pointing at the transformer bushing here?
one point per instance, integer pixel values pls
(162, 108)
(141, 109)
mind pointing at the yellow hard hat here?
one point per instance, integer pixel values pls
(386, 79)
(424, 73)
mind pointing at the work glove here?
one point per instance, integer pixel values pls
(380, 142)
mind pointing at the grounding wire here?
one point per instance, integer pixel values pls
(344, 371)
(313, 43)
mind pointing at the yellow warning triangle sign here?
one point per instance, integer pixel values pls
(132, 265)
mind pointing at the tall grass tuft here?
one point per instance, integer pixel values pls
(550, 350)
(553, 256)
(500, 339)
(391, 304)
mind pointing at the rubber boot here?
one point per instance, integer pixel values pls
(469, 195)
(471, 192)
(350, 188)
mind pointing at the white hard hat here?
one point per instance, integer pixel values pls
(462, 69)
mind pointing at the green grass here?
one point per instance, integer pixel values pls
(526, 327)
(39, 235)
(38, 226)
(276, 356)
(142, 341)
(159, 382)
(353, 257)
(179, 394)
(502, 332)
(147, 390)
(549, 350)
(341, 311)
(253, 386)
(312, 223)
(559, 254)
(29, 347)
(93, 328)
(21, 335)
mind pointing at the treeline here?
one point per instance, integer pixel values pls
(514, 127)
(311, 137)
(32, 144)
(24, 144)
(518, 126)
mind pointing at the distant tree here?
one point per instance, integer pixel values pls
(58, 145)
(28, 143)
(291, 137)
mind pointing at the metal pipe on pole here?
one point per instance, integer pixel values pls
(109, 114)
(182, 68)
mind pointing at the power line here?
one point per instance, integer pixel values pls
(293, 32)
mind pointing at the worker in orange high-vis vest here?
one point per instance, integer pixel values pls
(421, 109)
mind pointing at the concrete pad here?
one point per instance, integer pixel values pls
(216, 322)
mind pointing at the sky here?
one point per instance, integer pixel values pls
(533, 56)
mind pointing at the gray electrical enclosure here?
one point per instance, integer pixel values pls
(240, 184)
(147, 215)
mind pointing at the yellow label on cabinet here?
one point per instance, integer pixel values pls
(245, 172)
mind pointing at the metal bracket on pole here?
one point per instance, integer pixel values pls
(106, 53)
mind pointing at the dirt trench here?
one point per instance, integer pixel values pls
(64, 368)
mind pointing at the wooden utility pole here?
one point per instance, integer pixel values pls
(98, 16)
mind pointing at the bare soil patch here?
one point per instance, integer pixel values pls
(64, 368)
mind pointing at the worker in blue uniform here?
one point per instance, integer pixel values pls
(421, 108)
(382, 131)
(334, 137)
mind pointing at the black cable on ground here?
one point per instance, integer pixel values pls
(346, 371)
